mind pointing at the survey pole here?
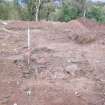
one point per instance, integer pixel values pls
(28, 37)
(29, 45)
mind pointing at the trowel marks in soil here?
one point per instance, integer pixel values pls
(67, 65)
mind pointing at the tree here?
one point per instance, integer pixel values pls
(38, 4)
(81, 5)
(3, 10)
(68, 13)
(46, 9)
(34, 8)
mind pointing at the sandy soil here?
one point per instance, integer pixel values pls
(67, 64)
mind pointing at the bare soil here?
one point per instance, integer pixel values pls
(67, 65)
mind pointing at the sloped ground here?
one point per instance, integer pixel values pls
(67, 64)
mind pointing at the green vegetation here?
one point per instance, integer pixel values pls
(97, 13)
(68, 12)
(45, 9)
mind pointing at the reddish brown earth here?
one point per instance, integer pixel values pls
(67, 64)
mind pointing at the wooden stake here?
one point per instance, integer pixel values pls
(28, 45)
(28, 37)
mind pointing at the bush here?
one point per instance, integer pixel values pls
(3, 11)
(68, 13)
(97, 13)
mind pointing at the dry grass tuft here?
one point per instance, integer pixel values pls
(84, 38)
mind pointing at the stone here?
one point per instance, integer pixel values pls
(72, 69)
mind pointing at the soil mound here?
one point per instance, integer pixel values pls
(81, 33)
(82, 30)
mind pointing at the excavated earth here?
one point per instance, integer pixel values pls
(67, 63)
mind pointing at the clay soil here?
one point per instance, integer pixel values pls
(67, 65)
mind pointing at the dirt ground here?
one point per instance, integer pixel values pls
(67, 65)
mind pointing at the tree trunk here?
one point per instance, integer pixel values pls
(84, 8)
(37, 10)
(36, 15)
(84, 13)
